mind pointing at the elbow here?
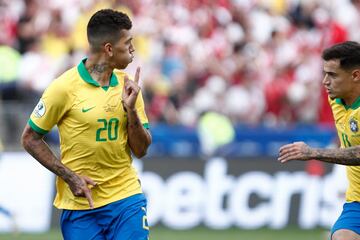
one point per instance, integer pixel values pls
(141, 150)
(29, 138)
(140, 154)
(25, 140)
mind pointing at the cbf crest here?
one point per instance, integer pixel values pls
(354, 127)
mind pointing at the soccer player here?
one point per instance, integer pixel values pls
(342, 83)
(100, 115)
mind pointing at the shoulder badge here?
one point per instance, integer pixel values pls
(40, 109)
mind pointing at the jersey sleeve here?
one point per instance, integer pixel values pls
(50, 109)
(140, 109)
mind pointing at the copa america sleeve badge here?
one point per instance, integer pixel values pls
(39, 109)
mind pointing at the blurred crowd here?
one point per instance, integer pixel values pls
(255, 61)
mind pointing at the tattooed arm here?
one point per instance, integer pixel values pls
(301, 151)
(139, 137)
(36, 146)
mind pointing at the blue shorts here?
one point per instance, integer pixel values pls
(121, 220)
(349, 218)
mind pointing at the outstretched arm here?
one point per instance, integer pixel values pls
(301, 151)
(36, 146)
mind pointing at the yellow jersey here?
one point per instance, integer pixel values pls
(347, 126)
(93, 135)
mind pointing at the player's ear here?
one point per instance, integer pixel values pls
(356, 75)
(108, 49)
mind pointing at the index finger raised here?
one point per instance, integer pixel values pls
(137, 75)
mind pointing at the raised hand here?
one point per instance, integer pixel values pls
(294, 151)
(79, 186)
(130, 91)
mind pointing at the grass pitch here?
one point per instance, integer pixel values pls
(200, 233)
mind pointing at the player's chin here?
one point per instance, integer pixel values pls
(128, 61)
(332, 96)
(123, 64)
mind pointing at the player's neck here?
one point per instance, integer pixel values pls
(350, 99)
(99, 70)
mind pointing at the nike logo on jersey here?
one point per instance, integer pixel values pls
(86, 109)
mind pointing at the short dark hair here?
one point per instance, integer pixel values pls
(105, 26)
(347, 52)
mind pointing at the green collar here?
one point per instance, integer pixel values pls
(353, 106)
(84, 74)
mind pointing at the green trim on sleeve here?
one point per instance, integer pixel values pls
(36, 128)
(146, 125)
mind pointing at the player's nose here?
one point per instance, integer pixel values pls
(325, 80)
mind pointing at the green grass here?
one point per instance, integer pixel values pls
(159, 233)
(238, 234)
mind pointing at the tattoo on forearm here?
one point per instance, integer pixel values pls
(40, 151)
(344, 156)
(133, 120)
(139, 138)
(135, 124)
